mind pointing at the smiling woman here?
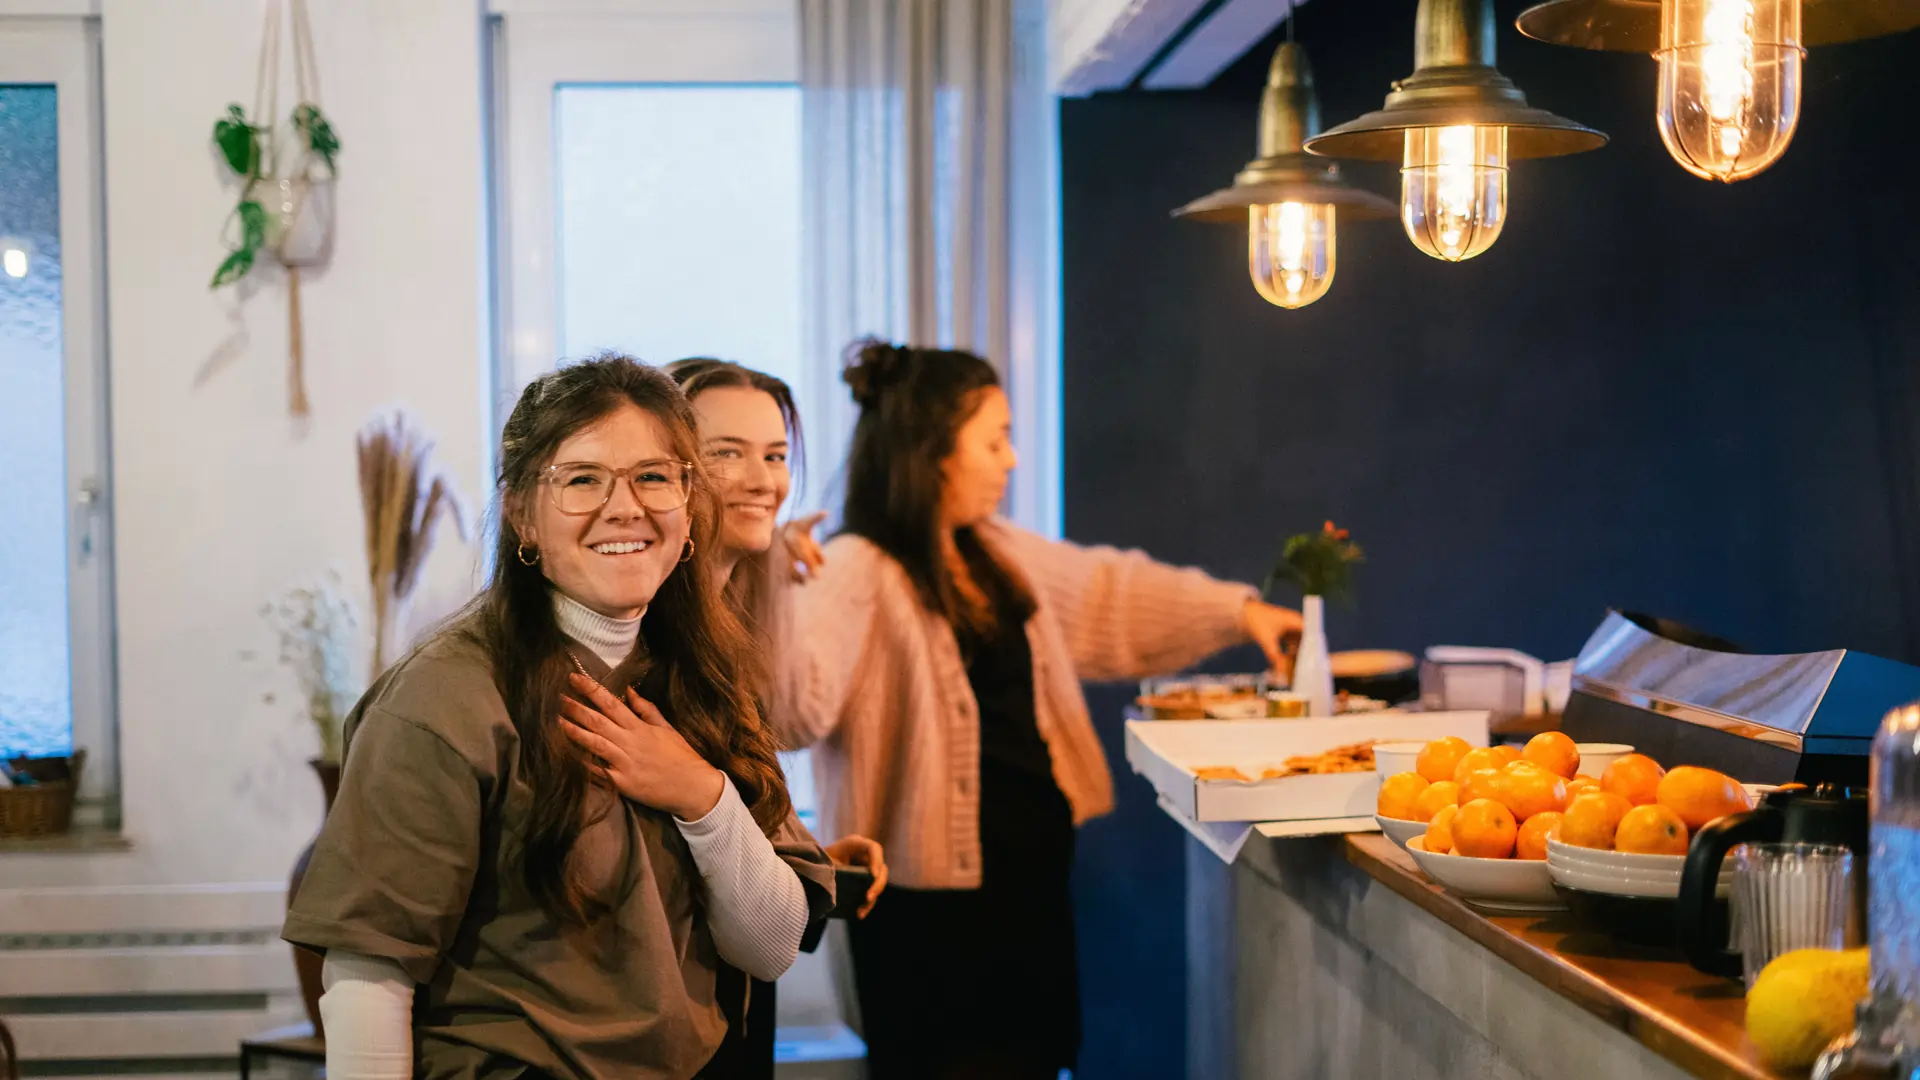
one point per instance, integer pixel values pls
(532, 802)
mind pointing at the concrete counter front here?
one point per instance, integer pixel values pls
(1334, 957)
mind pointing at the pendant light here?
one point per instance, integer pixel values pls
(1454, 125)
(1729, 91)
(1289, 200)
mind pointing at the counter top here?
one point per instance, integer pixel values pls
(1692, 1019)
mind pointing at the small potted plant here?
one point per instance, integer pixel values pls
(1321, 565)
(319, 639)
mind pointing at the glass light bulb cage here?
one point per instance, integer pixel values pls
(1729, 95)
(1453, 189)
(1291, 251)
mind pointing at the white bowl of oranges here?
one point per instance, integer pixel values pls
(1493, 884)
(1488, 813)
(1630, 837)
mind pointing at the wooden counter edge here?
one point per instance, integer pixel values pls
(1383, 860)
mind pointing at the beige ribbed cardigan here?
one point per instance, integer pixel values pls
(873, 680)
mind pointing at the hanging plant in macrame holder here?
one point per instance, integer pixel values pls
(286, 173)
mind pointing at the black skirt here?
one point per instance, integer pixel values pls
(983, 982)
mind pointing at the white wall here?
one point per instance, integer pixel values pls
(221, 500)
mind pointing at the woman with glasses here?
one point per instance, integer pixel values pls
(945, 649)
(750, 434)
(561, 813)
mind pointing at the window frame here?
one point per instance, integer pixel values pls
(538, 47)
(64, 52)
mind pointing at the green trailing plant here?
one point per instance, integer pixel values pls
(1319, 564)
(248, 150)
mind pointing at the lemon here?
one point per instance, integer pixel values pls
(1804, 1000)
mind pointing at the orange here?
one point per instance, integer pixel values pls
(1473, 761)
(1580, 785)
(1651, 830)
(1508, 754)
(1437, 796)
(1531, 841)
(1591, 820)
(1438, 758)
(1699, 795)
(1484, 829)
(1480, 784)
(1528, 790)
(1635, 778)
(1440, 831)
(1553, 752)
(1397, 794)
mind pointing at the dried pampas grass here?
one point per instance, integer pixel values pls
(404, 495)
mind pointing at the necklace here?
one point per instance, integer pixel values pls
(577, 665)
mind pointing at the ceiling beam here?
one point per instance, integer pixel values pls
(1220, 39)
(1099, 45)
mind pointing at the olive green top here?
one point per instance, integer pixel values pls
(418, 862)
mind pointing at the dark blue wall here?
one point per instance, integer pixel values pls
(1652, 392)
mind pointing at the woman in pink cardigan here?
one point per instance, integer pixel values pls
(936, 662)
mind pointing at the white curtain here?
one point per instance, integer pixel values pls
(929, 173)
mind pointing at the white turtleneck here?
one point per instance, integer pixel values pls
(609, 638)
(757, 908)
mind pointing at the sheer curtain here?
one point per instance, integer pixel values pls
(929, 177)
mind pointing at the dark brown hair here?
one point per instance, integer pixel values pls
(694, 659)
(913, 403)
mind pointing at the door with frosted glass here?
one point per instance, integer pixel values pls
(56, 672)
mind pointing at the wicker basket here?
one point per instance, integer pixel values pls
(44, 809)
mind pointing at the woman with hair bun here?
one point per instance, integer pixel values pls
(944, 650)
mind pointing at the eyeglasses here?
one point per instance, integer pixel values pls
(583, 487)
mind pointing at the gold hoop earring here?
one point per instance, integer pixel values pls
(687, 555)
(521, 553)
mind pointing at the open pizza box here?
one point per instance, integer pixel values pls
(1222, 813)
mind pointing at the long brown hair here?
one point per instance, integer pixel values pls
(696, 661)
(913, 402)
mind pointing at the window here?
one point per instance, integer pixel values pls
(647, 183)
(56, 670)
(679, 231)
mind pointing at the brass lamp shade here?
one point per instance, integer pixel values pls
(1289, 113)
(1634, 25)
(1454, 83)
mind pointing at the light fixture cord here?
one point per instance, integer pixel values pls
(1291, 8)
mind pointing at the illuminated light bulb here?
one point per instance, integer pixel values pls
(1287, 199)
(1290, 251)
(1729, 96)
(1453, 189)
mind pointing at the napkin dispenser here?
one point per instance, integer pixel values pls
(1684, 698)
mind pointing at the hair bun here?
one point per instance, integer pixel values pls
(872, 366)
